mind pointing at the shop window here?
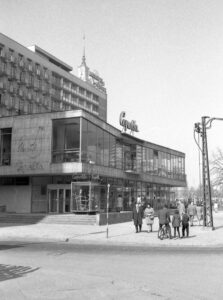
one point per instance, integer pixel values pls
(5, 146)
(112, 151)
(155, 161)
(66, 140)
(92, 142)
(100, 147)
(119, 155)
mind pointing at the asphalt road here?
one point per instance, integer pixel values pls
(67, 271)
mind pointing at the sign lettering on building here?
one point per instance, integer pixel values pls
(131, 125)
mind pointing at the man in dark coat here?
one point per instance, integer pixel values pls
(137, 216)
(164, 218)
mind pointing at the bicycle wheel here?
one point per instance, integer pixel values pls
(161, 234)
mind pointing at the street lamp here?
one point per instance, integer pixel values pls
(91, 163)
(108, 187)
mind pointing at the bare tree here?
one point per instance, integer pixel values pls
(216, 168)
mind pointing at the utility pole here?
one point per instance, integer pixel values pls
(208, 216)
(201, 129)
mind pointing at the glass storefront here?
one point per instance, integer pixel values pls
(77, 139)
(60, 194)
(66, 140)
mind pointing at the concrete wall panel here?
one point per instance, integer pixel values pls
(16, 198)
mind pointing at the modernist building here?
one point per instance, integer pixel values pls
(67, 158)
(34, 81)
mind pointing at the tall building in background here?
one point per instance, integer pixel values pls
(34, 81)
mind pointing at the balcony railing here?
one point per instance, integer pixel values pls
(71, 155)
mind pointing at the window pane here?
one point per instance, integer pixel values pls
(84, 140)
(100, 146)
(112, 151)
(92, 142)
(5, 146)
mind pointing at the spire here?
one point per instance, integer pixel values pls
(83, 70)
(84, 57)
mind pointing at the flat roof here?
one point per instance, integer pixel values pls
(50, 58)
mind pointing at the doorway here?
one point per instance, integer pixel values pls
(59, 199)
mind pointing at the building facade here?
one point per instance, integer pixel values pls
(62, 162)
(59, 155)
(34, 81)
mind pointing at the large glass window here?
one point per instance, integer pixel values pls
(5, 146)
(66, 140)
(106, 148)
(92, 142)
(112, 151)
(100, 146)
(155, 161)
(119, 154)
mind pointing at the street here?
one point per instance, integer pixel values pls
(83, 271)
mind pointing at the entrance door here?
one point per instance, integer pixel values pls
(59, 198)
(67, 201)
(53, 201)
(61, 201)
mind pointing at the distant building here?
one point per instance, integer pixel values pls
(34, 81)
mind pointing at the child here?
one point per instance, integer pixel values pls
(176, 222)
(185, 224)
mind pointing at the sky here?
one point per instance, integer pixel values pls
(161, 60)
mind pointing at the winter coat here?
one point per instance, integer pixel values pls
(191, 210)
(164, 216)
(181, 208)
(185, 219)
(149, 215)
(137, 216)
(176, 220)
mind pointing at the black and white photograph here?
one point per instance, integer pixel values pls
(111, 149)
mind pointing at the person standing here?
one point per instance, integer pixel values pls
(164, 219)
(199, 211)
(137, 216)
(149, 215)
(185, 224)
(176, 220)
(181, 207)
(191, 212)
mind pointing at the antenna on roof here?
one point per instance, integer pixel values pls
(83, 57)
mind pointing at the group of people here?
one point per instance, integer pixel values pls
(181, 216)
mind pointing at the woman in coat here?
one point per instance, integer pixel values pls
(149, 215)
(176, 220)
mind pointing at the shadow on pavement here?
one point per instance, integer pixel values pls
(2, 225)
(218, 227)
(7, 247)
(188, 237)
(11, 272)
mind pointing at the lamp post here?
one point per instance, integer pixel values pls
(108, 188)
(91, 163)
(201, 129)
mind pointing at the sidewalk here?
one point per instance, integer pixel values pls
(119, 234)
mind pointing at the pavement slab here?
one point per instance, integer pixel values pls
(118, 234)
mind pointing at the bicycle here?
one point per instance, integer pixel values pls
(163, 232)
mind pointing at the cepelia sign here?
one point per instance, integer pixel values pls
(126, 124)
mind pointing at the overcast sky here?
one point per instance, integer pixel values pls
(161, 60)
